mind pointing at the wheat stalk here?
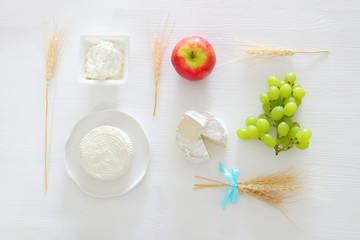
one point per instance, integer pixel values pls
(256, 50)
(276, 52)
(54, 43)
(158, 43)
(273, 189)
(157, 63)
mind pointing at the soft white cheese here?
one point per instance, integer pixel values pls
(104, 60)
(214, 130)
(106, 153)
(196, 127)
(192, 124)
(188, 137)
(193, 150)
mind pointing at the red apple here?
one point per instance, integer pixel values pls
(193, 58)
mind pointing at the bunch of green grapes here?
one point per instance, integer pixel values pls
(280, 104)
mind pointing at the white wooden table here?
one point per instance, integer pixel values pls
(163, 205)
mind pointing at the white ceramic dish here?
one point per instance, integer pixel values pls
(140, 161)
(86, 41)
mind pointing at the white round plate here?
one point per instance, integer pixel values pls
(138, 167)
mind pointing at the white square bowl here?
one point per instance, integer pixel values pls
(87, 41)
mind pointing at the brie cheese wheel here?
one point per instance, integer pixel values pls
(188, 137)
(106, 153)
(196, 127)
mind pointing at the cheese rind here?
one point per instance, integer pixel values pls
(106, 153)
(193, 150)
(214, 130)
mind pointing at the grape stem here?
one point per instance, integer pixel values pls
(277, 150)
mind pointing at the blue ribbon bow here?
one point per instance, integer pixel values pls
(233, 192)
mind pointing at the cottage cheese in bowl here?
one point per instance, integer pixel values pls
(104, 60)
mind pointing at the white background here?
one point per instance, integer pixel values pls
(163, 205)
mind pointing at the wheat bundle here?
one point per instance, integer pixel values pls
(275, 189)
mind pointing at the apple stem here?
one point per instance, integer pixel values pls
(192, 54)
